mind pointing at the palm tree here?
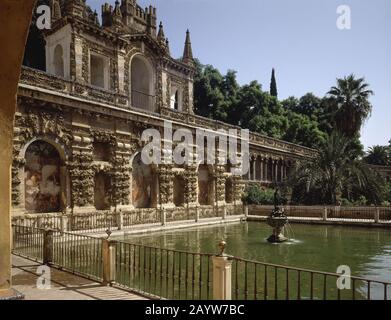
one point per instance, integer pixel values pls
(379, 155)
(350, 104)
(336, 170)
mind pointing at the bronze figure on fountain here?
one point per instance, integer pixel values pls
(277, 220)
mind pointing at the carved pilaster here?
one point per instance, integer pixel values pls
(166, 184)
(82, 179)
(191, 184)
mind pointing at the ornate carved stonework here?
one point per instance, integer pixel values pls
(35, 124)
(166, 183)
(82, 179)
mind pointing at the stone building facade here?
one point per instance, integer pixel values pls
(77, 136)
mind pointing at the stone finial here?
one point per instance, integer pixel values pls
(160, 36)
(188, 52)
(108, 232)
(168, 45)
(56, 10)
(222, 245)
(96, 19)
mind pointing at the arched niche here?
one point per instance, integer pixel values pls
(179, 191)
(44, 178)
(102, 191)
(205, 185)
(144, 184)
(58, 61)
(142, 83)
(176, 98)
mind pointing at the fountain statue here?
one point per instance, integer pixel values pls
(277, 220)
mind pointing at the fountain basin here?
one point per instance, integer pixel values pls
(277, 223)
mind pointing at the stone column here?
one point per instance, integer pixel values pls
(254, 169)
(121, 177)
(15, 22)
(191, 186)
(276, 170)
(108, 259)
(82, 180)
(166, 185)
(222, 276)
(262, 177)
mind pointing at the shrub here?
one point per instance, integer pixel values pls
(256, 195)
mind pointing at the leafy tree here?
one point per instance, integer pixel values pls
(303, 130)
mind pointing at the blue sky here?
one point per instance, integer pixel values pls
(299, 38)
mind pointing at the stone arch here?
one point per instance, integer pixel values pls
(142, 83)
(144, 183)
(45, 177)
(176, 98)
(205, 185)
(58, 61)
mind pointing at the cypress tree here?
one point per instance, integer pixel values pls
(273, 85)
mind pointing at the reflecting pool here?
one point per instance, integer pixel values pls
(367, 251)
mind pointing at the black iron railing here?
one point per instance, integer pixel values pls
(168, 274)
(253, 280)
(175, 274)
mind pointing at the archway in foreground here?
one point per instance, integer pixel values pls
(205, 186)
(144, 184)
(42, 178)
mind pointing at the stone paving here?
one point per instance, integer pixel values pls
(64, 286)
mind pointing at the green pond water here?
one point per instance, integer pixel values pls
(367, 251)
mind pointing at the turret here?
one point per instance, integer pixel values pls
(188, 52)
(128, 10)
(151, 20)
(117, 14)
(107, 15)
(75, 8)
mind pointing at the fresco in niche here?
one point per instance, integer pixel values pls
(204, 185)
(42, 178)
(144, 186)
(102, 191)
(179, 191)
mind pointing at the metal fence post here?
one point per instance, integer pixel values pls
(377, 215)
(245, 209)
(109, 261)
(222, 275)
(163, 216)
(120, 220)
(197, 215)
(64, 223)
(224, 212)
(48, 246)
